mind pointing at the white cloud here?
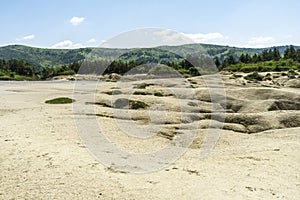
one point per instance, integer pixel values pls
(91, 40)
(27, 37)
(76, 20)
(208, 37)
(260, 40)
(66, 44)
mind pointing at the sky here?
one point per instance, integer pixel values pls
(81, 23)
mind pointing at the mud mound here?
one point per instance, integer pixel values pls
(290, 121)
(284, 105)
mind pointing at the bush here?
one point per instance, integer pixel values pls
(236, 76)
(6, 78)
(143, 85)
(158, 94)
(60, 100)
(254, 76)
(133, 104)
(114, 92)
(140, 93)
(292, 73)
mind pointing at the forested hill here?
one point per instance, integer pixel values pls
(41, 58)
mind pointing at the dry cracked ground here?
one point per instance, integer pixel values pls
(255, 154)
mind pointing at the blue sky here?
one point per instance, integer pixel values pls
(78, 23)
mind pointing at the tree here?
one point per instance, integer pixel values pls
(217, 62)
(276, 54)
(297, 55)
(290, 53)
(231, 60)
(248, 58)
(242, 58)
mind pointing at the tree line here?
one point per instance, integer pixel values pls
(21, 70)
(133, 63)
(265, 55)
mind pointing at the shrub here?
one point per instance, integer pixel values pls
(133, 104)
(236, 76)
(114, 92)
(60, 100)
(254, 76)
(292, 73)
(143, 85)
(158, 94)
(192, 81)
(140, 93)
(6, 78)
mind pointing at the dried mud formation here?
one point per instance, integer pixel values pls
(188, 104)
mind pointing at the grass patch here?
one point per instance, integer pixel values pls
(101, 115)
(158, 94)
(71, 79)
(234, 76)
(108, 80)
(192, 81)
(254, 76)
(114, 92)
(16, 78)
(141, 93)
(100, 104)
(6, 78)
(292, 74)
(131, 104)
(60, 100)
(280, 65)
(143, 85)
(134, 104)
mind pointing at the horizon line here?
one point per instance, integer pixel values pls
(84, 47)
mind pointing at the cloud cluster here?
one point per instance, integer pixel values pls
(66, 44)
(26, 38)
(260, 41)
(92, 40)
(202, 37)
(69, 44)
(76, 20)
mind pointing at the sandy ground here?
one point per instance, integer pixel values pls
(42, 156)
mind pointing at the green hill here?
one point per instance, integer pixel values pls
(41, 58)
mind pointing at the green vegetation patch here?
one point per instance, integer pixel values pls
(100, 104)
(143, 85)
(280, 65)
(113, 92)
(141, 93)
(254, 76)
(158, 94)
(132, 104)
(60, 100)
(192, 81)
(101, 115)
(234, 76)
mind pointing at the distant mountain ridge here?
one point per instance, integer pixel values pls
(41, 58)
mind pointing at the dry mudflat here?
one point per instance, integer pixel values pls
(256, 156)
